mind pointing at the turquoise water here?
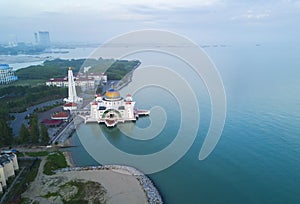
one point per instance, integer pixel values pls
(257, 159)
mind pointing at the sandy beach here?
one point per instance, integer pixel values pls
(118, 187)
(67, 154)
(69, 159)
(121, 188)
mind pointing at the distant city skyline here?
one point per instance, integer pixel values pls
(201, 20)
(44, 39)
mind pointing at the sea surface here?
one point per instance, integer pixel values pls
(257, 159)
(23, 61)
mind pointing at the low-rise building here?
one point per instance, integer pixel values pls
(8, 166)
(81, 80)
(59, 82)
(2, 177)
(7, 75)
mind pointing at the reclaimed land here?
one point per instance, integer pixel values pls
(31, 90)
(99, 184)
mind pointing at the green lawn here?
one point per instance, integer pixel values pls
(37, 154)
(55, 160)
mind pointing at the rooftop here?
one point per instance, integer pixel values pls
(51, 122)
(4, 66)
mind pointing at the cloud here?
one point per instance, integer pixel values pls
(82, 18)
(252, 15)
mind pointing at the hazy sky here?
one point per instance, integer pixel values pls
(201, 20)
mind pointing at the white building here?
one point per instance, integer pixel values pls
(87, 81)
(63, 82)
(99, 78)
(59, 82)
(8, 166)
(112, 108)
(2, 177)
(7, 74)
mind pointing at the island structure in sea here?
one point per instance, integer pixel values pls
(109, 109)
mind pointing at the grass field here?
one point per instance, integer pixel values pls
(37, 154)
(55, 160)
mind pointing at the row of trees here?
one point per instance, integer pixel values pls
(34, 134)
(115, 69)
(50, 69)
(6, 137)
(18, 98)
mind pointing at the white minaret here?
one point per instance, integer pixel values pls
(129, 108)
(72, 98)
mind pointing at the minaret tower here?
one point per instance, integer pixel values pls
(73, 99)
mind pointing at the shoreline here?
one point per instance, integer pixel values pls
(151, 192)
(148, 186)
(68, 155)
(69, 159)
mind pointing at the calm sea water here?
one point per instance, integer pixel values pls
(257, 159)
(77, 53)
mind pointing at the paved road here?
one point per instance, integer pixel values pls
(20, 117)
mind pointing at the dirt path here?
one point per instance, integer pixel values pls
(117, 187)
(35, 187)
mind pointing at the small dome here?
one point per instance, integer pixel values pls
(128, 97)
(112, 94)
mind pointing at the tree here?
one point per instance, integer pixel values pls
(44, 134)
(24, 136)
(6, 137)
(34, 129)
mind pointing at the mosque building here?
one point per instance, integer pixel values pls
(112, 108)
(109, 109)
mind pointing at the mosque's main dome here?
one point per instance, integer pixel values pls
(112, 94)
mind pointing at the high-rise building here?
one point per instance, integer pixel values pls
(36, 39)
(44, 38)
(7, 74)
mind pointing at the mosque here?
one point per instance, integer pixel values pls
(112, 108)
(109, 109)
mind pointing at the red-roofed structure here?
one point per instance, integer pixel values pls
(52, 123)
(60, 116)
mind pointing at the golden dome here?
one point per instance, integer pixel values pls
(112, 94)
